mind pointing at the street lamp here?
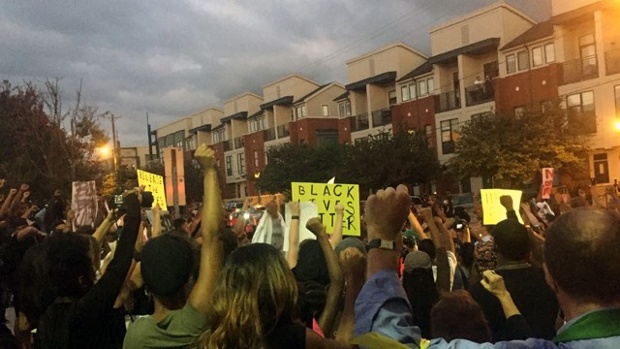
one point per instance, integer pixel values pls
(257, 177)
(617, 124)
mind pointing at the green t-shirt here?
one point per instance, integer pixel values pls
(180, 329)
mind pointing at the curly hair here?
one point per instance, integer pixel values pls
(254, 292)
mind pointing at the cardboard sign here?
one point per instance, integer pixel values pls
(547, 182)
(155, 184)
(326, 196)
(493, 210)
(84, 203)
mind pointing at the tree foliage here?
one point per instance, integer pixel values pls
(35, 146)
(376, 162)
(513, 148)
(388, 160)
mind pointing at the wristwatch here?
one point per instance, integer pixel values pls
(382, 244)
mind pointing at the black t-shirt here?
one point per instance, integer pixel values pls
(532, 296)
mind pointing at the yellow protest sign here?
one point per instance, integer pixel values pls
(492, 209)
(155, 184)
(326, 197)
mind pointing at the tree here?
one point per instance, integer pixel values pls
(304, 163)
(512, 149)
(35, 147)
(385, 159)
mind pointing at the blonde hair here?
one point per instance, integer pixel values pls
(255, 290)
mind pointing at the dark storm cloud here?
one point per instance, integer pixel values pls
(173, 58)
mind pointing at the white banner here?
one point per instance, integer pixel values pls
(84, 203)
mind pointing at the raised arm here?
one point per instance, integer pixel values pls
(336, 279)
(517, 327)
(156, 231)
(415, 225)
(336, 236)
(105, 226)
(7, 202)
(293, 236)
(211, 251)
(353, 265)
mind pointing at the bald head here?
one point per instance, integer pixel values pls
(582, 253)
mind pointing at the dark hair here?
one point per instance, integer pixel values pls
(311, 264)
(511, 240)
(427, 245)
(422, 293)
(457, 315)
(311, 301)
(69, 261)
(581, 253)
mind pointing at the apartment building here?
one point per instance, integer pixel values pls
(458, 81)
(365, 108)
(573, 56)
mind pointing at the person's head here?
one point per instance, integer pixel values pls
(311, 265)
(582, 257)
(70, 265)
(511, 240)
(254, 291)
(457, 315)
(167, 263)
(427, 245)
(272, 208)
(180, 224)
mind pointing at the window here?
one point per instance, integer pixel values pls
(601, 168)
(537, 56)
(218, 136)
(256, 164)
(229, 165)
(241, 163)
(404, 93)
(344, 109)
(523, 60)
(392, 97)
(580, 111)
(449, 135)
(519, 111)
(546, 106)
(479, 116)
(428, 131)
(325, 110)
(549, 53)
(617, 95)
(422, 88)
(412, 91)
(511, 64)
(431, 85)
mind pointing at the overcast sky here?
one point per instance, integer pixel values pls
(172, 58)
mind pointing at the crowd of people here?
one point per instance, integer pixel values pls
(417, 276)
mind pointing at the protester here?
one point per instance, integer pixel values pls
(166, 265)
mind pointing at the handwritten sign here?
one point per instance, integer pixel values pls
(155, 184)
(492, 209)
(307, 210)
(547, 182)
(326, 197)
(84, 202)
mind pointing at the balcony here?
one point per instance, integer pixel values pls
(579, 70)
(612, 62)
(448, 101)
(239, 142)
(478, 94)
(227, 145)
(283, 131)
(270, 134)
(359, 122)
(381, 117)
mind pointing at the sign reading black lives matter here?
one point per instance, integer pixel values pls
(326, 197)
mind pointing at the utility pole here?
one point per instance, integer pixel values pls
(115, 146)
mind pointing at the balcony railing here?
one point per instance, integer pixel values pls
(579, 70)
(227, 145)
(612, 62)
(481, 93)
(270, 134)
(359, 122)
(448, 101)
(381, 117)
(239, 142)
(283, 131)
